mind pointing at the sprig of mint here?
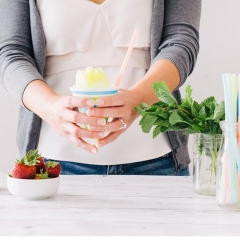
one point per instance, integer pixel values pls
(191, 116)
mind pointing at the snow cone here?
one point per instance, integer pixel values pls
(93, 83)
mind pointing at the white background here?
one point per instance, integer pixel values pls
(219, 53)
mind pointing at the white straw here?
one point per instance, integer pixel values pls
(126, 58)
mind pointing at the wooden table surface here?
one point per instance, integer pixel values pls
(117, 205)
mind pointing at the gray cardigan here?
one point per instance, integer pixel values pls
(174, 36)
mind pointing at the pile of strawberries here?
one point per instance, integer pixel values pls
(32, 166)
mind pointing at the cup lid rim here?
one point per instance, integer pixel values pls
(94, 90)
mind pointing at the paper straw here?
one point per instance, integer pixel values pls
(228, 110)
(238, 111)
(223, 189)
(229, 118)
(126, 58)
(226, 175)
(234, 94)
(238, 128)
(227, 99)
(233, 196)
(228, 106)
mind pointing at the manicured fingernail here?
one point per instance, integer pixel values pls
(94, 151)
(92, 127)
(99, 102)
(101, 121)
(98, 145)
(90, 112)
(101, 134)
(90, 103)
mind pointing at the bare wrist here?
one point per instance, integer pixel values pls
(37, 96)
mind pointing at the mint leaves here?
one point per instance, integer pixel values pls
(191, 116)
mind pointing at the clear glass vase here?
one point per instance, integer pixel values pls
(205, 153)
(228, 168)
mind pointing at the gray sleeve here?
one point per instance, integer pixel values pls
(180, 37)
(17, 64)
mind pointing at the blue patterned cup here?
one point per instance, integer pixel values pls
(94, 94)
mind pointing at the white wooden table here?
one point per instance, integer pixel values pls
(117, 205)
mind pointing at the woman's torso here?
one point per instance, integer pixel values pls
(80, 33)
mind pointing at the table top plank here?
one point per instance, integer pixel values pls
(117, 205)
(76, 228)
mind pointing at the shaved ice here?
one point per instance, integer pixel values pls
(92, 78)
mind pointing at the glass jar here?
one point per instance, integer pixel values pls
(228, 168)
(205, 152)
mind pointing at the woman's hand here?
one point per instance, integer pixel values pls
(63, 115)
(61, 112)
(120, 108)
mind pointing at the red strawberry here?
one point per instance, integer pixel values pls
(33, 155)
(23, 170)
(53, 169)
(40, 165)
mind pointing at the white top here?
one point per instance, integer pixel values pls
(100, 41)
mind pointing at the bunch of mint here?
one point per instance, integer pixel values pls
(191, 116)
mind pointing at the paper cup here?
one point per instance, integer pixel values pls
(94, 94)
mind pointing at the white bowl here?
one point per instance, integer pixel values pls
(33, 189)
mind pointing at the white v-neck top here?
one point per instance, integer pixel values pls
(80, 33)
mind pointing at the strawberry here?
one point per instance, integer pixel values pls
(24, 169)
(33, 155)
(42, 175)
(40, 165)
(53, 169)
